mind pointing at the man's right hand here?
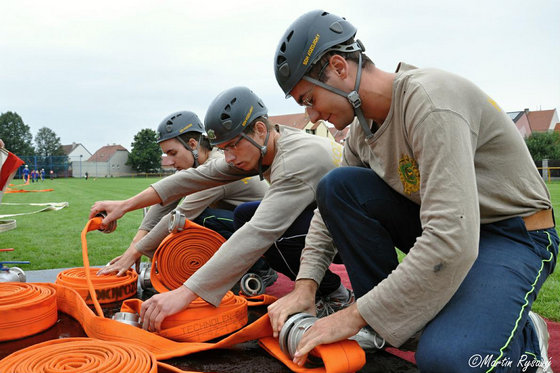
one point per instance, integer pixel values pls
(113, 209)
(301, 299)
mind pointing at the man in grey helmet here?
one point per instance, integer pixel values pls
(291, 160)
(440, 172)
(182, 138)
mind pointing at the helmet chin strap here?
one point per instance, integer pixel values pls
(353, 97)
(193, 151)
(263, 148)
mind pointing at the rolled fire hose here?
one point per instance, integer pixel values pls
(339, 357)
(181, 254)
(108, 288)
(187, 248)
(83, 355)
(26, 309)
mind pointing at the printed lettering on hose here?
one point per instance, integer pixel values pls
(124, 291)
(409, 174)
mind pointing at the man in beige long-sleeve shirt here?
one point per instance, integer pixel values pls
(181, 136)
(291, 160)
(441, 172)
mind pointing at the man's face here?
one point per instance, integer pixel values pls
(177, 155)
(240, 153)
(321, 103)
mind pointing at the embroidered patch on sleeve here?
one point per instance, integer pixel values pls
(409, 174)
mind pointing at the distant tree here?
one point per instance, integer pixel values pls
(16, 134)
(544, 145)
(47, 143)
(146, 154)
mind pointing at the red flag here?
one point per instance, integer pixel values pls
(10, 164)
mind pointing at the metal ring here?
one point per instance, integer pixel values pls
(176, 222)
(127, 318)
(252, 284)
(293, 330)
(144, 276)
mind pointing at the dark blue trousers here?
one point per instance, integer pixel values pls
(485, 326)
(283, 256)
(218, 220)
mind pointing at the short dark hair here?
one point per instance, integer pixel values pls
(251, 127)
(202, 140)
(318, 69)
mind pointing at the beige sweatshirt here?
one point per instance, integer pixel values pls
(299, 163)
(450, 148)
(232, 194)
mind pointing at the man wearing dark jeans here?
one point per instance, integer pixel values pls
(441, 172)
(284, 255)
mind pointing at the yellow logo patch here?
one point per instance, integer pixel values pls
(311, 49)
(247, 116)
(185, 128)
(409, 174)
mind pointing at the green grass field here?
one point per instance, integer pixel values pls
(52, 239)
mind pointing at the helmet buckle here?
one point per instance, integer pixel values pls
(354, 99)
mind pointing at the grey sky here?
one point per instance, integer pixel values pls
(96, 72)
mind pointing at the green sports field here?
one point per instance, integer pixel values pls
(52, 239)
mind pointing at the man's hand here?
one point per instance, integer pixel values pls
(122, 263)
(333, 328)
(114, 210)
(158, 307)
(301, 299)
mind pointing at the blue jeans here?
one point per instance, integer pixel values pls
(284, 254)
(485, 325)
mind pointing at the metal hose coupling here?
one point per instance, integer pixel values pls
(252, 284)
(293, 330)
(295, 327)
(144, 276)
(176, 222)
(11, 274)
(110, 227)
(130, 318)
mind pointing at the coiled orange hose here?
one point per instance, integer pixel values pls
(26, 309)
(181, 254)
(108, 288)
(200, 322)
(81, 355)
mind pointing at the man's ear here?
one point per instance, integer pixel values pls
(260, 128)
(193, 143)
(339, 66)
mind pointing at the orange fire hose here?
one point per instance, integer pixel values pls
(181, 254)
(108, 289)
(344, 356)
(26, 309)
(200, 322)
(82, 355)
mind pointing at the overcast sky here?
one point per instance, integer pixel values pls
(97, 72)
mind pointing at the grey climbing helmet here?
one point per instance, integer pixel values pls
(231, 112)
(305, 41)
(177, 124)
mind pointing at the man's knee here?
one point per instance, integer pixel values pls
(460, 355)
(330, 184)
